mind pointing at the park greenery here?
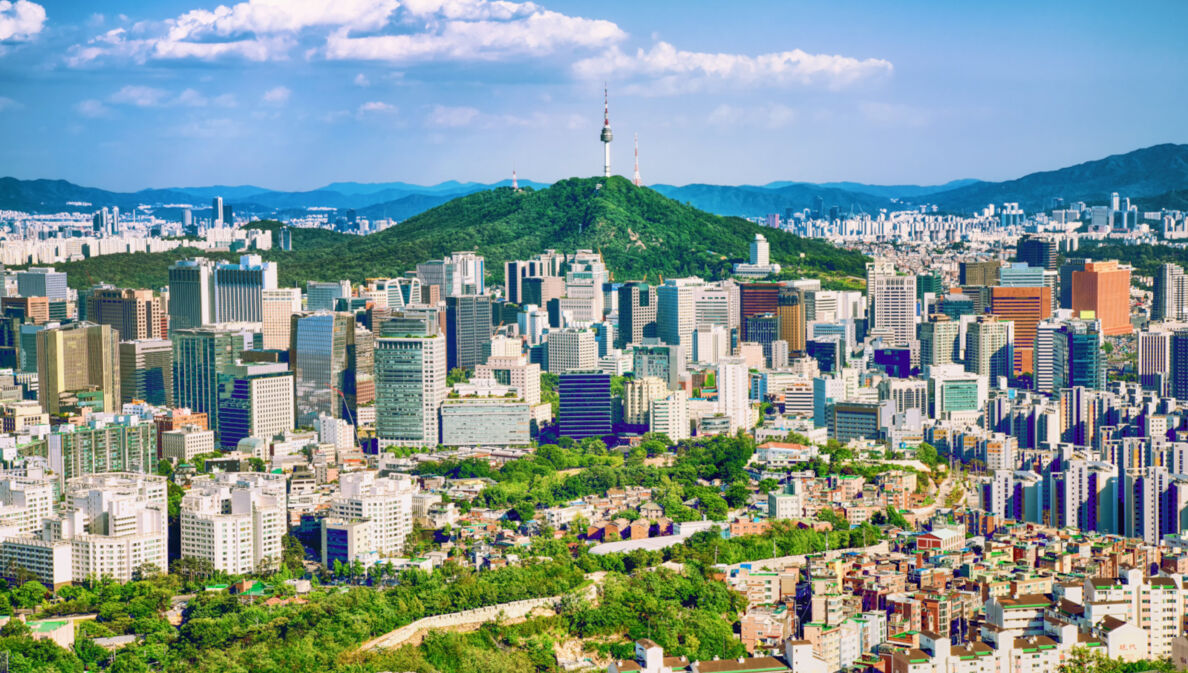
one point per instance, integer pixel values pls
(641, 234)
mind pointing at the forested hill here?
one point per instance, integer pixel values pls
(639, 232)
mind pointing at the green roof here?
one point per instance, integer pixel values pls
(47, 626)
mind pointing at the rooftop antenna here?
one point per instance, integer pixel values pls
(636, 179)
(515, 183)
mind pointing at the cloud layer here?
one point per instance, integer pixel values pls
(20, 20)
(668, 70)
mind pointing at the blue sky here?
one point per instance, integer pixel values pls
(293, 94)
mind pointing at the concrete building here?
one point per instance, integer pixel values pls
(638, 395)
(277, 307)
(42, 281)
(79, 358)
(485, 421)
(571, 348)
(183, 444)
(134, 314)
(200, 354)
(255, 400)
(235, 520)
(891, 301)
(191, 293)
(1103, 288)
(146, 371)
(385, 503)
(239, 289)
(637, 314)
(670, 416)
(410, 376)
(676, 311)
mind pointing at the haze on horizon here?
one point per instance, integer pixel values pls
(295, 94)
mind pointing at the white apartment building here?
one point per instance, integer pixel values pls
(571, 349)
(385, 502)
(235, 520)
(670, 416)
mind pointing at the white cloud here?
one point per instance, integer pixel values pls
(376, 106)
(451, 117)
(278, 95)
(208, 129)
(366, 30)
(666, 70)
(361, 80)
(895, 114)
(7, 103)
(140, 96)
(478, 31)
(20, 20)
(92, 108)
(771, 116)
(226, 100)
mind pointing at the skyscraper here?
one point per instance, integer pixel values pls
(323, 296)
(277, 307)
(1171, 293)
(410, 381)
(468, 330)
(571, 348)
(585, 408)
(756, 299)
(135, 314)
(76, 359)
(1086, 361)
(979, 273)
(320, 357)
(665, 362)
(1037, 252)
(191, 293)
(1026, 307)
(940, 341)
(146, 371)
(239, 289)
(216, 212)
(42, 281)
(676, 311)
(637, 314)
(200, 354)
(255, 400)
(1104, 289)
(790, 311)
(989, 347)
(891, 302)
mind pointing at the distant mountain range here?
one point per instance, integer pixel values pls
(1154, 176)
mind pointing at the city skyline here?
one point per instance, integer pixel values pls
(187, 93)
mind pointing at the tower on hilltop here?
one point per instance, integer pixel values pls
(635, 179)
(607, 136)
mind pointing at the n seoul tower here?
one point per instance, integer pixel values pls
(606, 136)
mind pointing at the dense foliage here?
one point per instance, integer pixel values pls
(640, 233)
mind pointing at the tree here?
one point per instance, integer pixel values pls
(257, 464)
(737, 494)
(768, 485)
(927, 454)
(165, 468)
(896, 519)
(30, 594)
(457, 375)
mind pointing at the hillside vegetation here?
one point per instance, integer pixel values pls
(640, 233)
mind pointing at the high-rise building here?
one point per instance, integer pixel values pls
(1155, 360)
(200, 354)
(763, 329)
(717, 305)
(1086, 362)
(255, 400)
(676, 311)
(105, 443)
(662, 361)
(1070, 265)
(381, 509)
(468, 330)
(585, 409)
(670, 416)
(637, 314)
(1037, 252)
(1020, 274)
(1104, 289)
(77, 361)
(1026, 307)
(188, 441)
(146, 371)
(891, 302)
(638, 394)
(410, 382)
(1078, 416)
(42, 281)
(989, 348)
(1171, 293)
(979, 273)
(790, 311)
(1177, 386)
(239, 289)
(191, 293)
(216, 212)
(734, 402)
(235, 520)
(320, 355)
(135, 314)
(458, 274)
(756, 299)
(1050, 368)
(324, 296)
(277, 307)
(571, 348)
(940, 341)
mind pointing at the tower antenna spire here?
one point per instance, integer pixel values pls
(515, 183)
(636, 179)
(606, 137)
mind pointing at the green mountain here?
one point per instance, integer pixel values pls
(639, 232)
(1147, 172)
